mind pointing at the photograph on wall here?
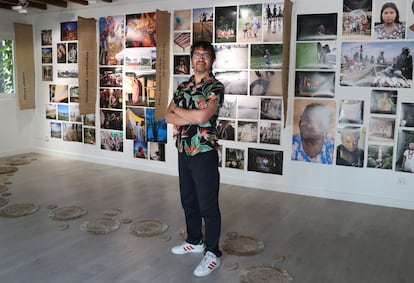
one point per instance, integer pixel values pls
(141, 30)
(266, 56)
(350, 151)
(248, 107)
(157, 151)
(110, 76)
(316, 55)
(72, 52)
(313, 137)
(203, 19)
(110, 98)
(351, 111)
(405, 152)
(377, 64)
(89, 119)
(407, 115)
(112, 140)
(231, 56)
(383, 101)
(69, 31)
(74, 94)
(140, 149)
(111, 40)
(234, 158)
(410, 19)
(226, 129)
(381, 129)
(65, 72)
(250, 23)
(247, 131)
(135, 123)
(72, 132)
(58, 93)
(89, 136)
(357, 20)
(317, 27)
(265, 83)
(182, 64)
(63, 112)
(271, 109)
(139, 89)
(389, 19)
(47, 73)
(61, 52)
(156, 129)
(380, 156)
(265, 161)
(47, 57)
(235, 82)
(229, 107)
(74, 113)
(270, 132)
(273, 21)
(182, 19)
(182, 42)
(46, 35)
(225, 24)
(315, 84)
(50, 111)
(111, 119)
(55, 130)
(139, 58)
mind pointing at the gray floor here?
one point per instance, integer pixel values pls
(322, 240)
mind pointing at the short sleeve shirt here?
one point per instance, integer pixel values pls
(193, 139)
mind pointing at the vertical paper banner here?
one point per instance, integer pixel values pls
(25, 70)
(87, 64)
(162, 75)
(287, 20)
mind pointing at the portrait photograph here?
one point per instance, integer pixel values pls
(61, 52)
(351, 111)
(157, 151)
(317, 27)
(112, 140)
(407, 115)
(141, 30)
(410, 19)
(203, 19)
(226, 130)
(381, 129)
(405, 151)
(138, 58)
(74, 94)
(47, 73)
(266, 56)
(377, 64)
(269, 132)
(270, 109)
(383, 101)
(316, 55)
(182, 19)
(385, 27)
(357, 20)
(380, 156)
(72, 52)
(250, 24)
(182, 42)
(68, 31)
(273, 21)
(47, 57)
(50, 111)
(247, 131)
(231, 56)
(110, 98)
(229, 107)
(141, 149)
(111, 119)
(110, 77)
(315, 84)
(351, 149)
(248, 107)
(265, 161)
(182, 64)
(46, 35)
(89, 135)
(235, 82)
(74, 113)
(265, 83)
(135, 123)
(225, 24)
(56, 130)
(234, 158)
(111, 40)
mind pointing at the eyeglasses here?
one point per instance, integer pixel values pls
(204, 56)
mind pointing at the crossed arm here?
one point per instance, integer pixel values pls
(181, 116)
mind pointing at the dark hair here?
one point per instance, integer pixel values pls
(392, 6)
(205, 45)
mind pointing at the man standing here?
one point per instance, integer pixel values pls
(194, 112)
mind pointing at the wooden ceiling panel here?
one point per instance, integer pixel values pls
(43, 4)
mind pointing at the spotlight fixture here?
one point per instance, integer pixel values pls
(21, 7)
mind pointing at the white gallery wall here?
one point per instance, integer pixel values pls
(28, 130)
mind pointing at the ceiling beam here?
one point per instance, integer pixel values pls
(58, 3)
(37, 5)
(82, 2)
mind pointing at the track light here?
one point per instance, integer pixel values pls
(21, 7)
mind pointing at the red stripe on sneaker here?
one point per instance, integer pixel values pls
(212, 265)
(187, 248)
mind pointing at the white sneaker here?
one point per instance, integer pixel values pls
(207, 265)
(187, 248)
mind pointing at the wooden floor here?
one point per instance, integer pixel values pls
(323, 241)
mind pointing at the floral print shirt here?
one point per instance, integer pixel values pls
(193, 139)
(397, 33)
(324, 157)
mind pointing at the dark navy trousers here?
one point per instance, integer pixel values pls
(199, 189)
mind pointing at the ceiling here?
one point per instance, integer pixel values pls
(43, 5)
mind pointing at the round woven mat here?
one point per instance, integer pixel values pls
(67, 213)
(265, 274)
(112, 212)
(7, 169)
(3, 201)
(147, 227)
(100, 226)
(20, 209)
(19, 161)
(243, 246)
(3, 188)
